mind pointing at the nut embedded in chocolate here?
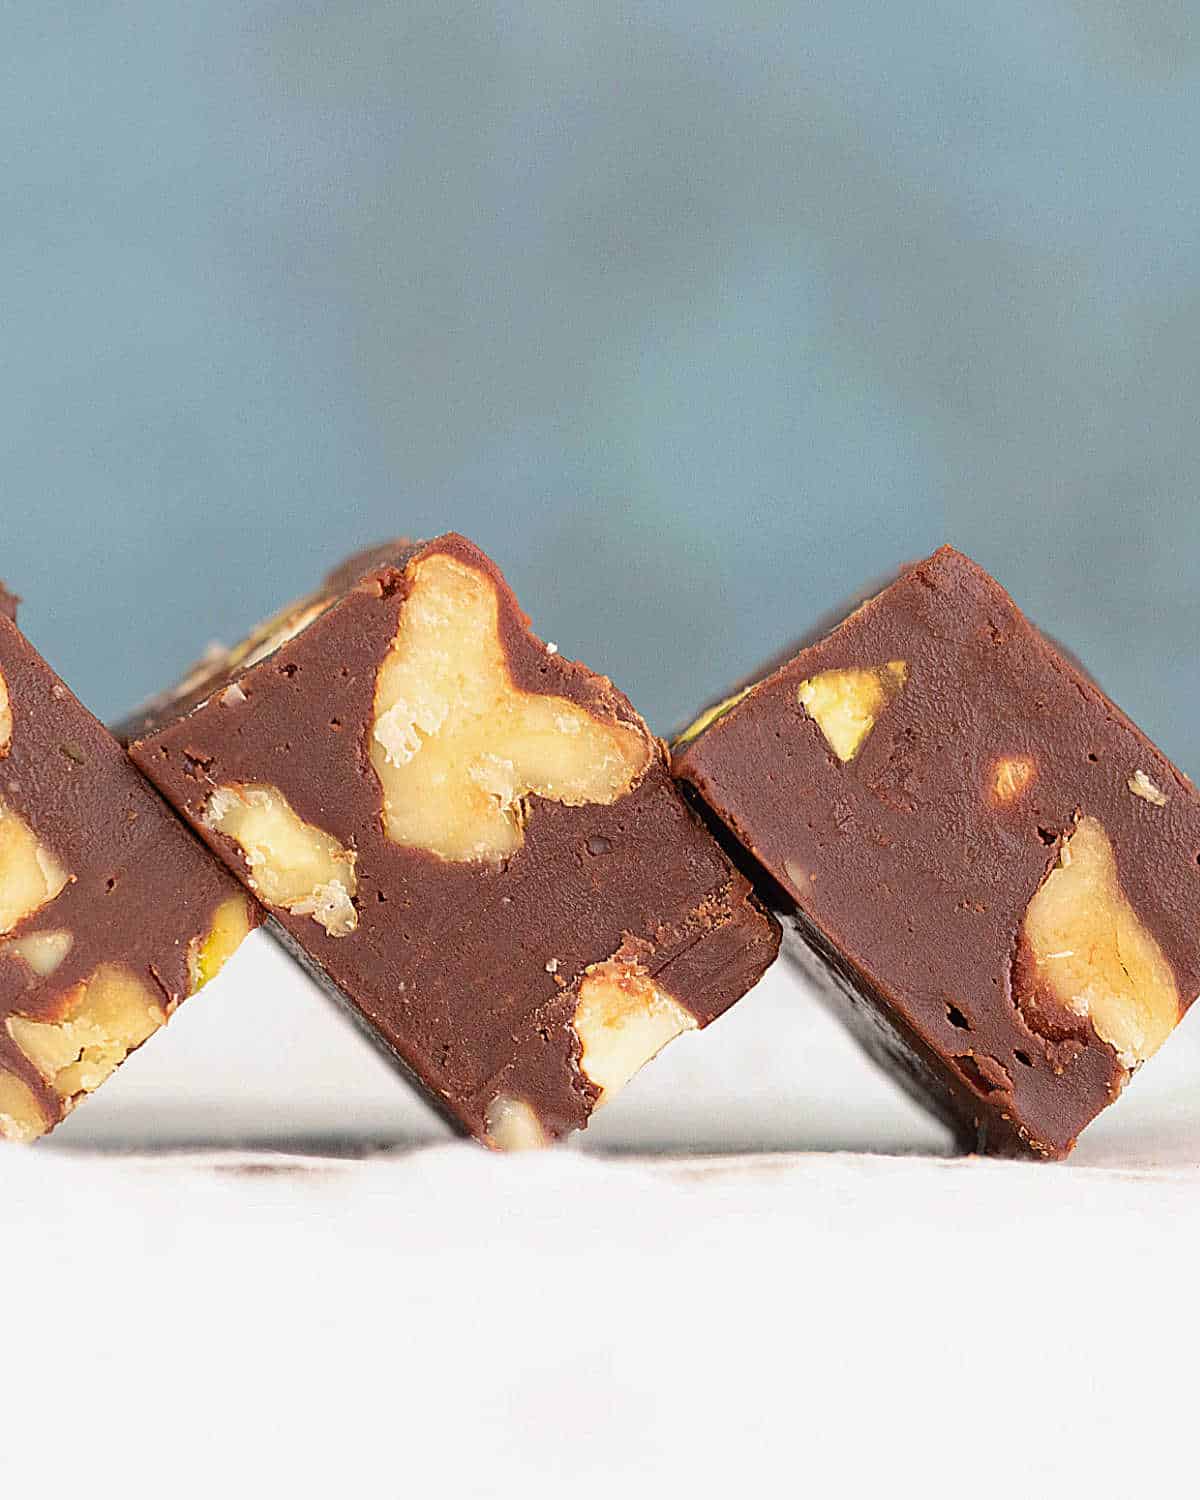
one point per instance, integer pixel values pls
(42, 951)
(99, 1022)
(21, 1118)
(1141, 786)
(847, 701)
(209, 952)
(478, 826)
(623, 1020)
(290, 863)
(30, 873)
(6, 718)
(511, 1124)
(459, 747)
(1086, 951)
(1012, 776)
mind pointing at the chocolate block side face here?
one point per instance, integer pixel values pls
(111, 913)
(999, 871)
(475, 842)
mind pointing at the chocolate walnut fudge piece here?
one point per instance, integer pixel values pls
(111, 913)
(476, 843)
(998, 872)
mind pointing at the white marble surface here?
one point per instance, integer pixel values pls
(347, 1301)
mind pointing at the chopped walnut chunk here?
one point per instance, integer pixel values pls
(208, 956)
(1141, 786)
(622, 1020)
(44, 952)
(1011, 776)
(30, 874)
(21, 1117)
(6, 718)
(100, 1022)
(1093, 952)
(459, 748)
(846, 704)
(291, 863)
(510, 1124)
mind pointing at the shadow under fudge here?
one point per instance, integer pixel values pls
(467, 972)
(909, 868)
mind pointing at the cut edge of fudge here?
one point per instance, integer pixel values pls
(426, 782)
(1090, 835)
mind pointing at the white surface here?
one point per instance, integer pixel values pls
(441, 1321)
(262, 1057)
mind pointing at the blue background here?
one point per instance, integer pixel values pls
(696, 316)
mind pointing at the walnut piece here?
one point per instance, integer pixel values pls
(21, 1118)
(1012, 775)
(512, 1125)
(1141, 786)
(622, 1020)
(101, 1021)
(208, 956)
(1094, 953)
(42, 951)
(459, 748)
(6, 718)
(709, 717)
(30, 875)
(846, 703)
(291, 863)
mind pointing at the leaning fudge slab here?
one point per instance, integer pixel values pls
(111, 913)
(475, 842)
(995, 871)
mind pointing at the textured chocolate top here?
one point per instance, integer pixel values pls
(913, 881)
(467, 972)
(141, 888)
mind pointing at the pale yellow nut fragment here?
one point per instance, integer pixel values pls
(458, 747)
(1012, 775)
(21, 1118)
(1141, 786)
(291, 863)
(30, 875)
(1096, 955)
(846, 703)
(512, 1125)
(709, 717)
(6, 718)
(230, 927)
(103, 1019)
(622, 1020)
(42, 951)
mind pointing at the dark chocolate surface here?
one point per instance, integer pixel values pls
(142, 889)
(467, 972)
(911, 882)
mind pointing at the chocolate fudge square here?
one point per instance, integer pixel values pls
(998, 874)
(111, 913)
(476, 843)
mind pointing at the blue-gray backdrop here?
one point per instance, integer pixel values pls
(696, 315)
